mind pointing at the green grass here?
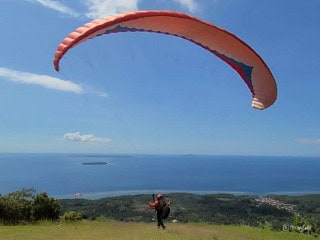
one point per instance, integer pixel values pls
(103, 230)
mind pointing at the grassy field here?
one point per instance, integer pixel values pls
(104, 230)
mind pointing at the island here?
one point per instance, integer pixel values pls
(94, 163)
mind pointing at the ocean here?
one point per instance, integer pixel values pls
(94, 176)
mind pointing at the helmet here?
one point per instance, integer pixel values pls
(159, 196)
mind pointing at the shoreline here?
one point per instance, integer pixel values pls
(122, 193)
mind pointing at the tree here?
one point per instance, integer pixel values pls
(45, 208)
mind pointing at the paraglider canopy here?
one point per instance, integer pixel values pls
(225, 45)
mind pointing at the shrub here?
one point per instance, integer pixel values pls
(72, 216)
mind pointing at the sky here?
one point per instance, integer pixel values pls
(152, 93)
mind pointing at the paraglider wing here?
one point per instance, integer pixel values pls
(218, 41)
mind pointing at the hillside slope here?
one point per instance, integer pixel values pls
(214, 208)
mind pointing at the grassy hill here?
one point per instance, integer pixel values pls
(104, 230)
(215, 216)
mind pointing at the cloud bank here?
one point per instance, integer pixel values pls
(41, 80)
(87, 138)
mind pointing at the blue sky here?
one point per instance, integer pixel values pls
(149, 93)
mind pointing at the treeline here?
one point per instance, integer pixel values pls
(26, 206)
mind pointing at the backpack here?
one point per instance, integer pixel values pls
(163, 209)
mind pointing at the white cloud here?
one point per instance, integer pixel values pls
(57, 6)
(101, 94)
(41, 80)
(103, 8)
(190, 4)
(309, 141)
(90, 138)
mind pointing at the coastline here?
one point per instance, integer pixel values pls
(123, 193)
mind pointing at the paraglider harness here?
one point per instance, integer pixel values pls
(162, 210)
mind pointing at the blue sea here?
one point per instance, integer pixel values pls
(63, 175)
